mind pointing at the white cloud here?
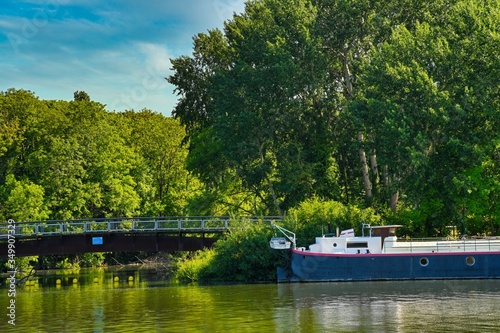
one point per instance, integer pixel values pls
(226, 8)
(157, 57)
(118, 52)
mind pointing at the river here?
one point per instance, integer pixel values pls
(149, 303)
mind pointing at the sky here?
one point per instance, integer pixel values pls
(117, 51)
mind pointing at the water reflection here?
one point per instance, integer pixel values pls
(99, 317)
(98, 276)
(425, 306)
(149, 303)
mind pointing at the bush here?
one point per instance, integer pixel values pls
(193, 268)
(24, 265)
(243, 255)
(67, 264)
(90, 259)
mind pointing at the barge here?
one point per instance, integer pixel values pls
(380, 255)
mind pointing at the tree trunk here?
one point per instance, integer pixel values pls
(374, 165)
(362, 155)
(394, 201)
(347, 73)
(364, 168)
(275, 199)
(385, 176)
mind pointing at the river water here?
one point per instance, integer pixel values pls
(149, 303)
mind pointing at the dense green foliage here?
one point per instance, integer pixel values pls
(388, 104)
(63, 160)
(243, 255)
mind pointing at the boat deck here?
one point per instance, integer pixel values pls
(441, 245)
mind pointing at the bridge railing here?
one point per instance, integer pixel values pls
(183, 224)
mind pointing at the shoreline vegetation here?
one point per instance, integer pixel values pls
(328, 113)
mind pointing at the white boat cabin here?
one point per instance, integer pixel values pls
(348, 243)
(383, 239)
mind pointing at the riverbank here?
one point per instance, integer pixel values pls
(161, 265)
(130, 275)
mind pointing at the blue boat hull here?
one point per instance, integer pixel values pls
(309, 267)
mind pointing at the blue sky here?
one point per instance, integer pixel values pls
(117, 51)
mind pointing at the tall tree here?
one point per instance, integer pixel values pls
(349, 29)
(429, 98)
(349, 100)
(266, 118)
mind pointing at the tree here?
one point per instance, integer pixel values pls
(158, 140)
(52, 153)
(24, 201)
(261, 112)
(81, 96)
(428, 100)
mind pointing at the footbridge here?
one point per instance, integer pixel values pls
(151, 234)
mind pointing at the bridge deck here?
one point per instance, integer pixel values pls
(165, 234)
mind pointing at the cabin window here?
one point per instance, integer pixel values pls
(353, 245)
(334, 244)
(424, 262)
(470, 261)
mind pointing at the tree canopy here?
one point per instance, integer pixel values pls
(391, 104)
(62, 160)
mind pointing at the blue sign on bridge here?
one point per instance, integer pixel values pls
(96, 240)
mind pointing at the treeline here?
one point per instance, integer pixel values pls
(393, 105)
(69, 160)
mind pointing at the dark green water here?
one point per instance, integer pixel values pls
(148, 304)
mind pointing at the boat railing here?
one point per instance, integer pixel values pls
(445, 244)
(287, 233)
